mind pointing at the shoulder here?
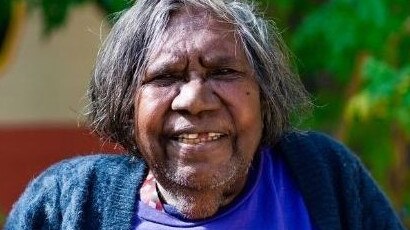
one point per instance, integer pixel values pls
(81, 167)
(310, 139)
(81, 164)
(315, 147)
(317, 157)
(334, 183)
(92, 172)
(66, 189)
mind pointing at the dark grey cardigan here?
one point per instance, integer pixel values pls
(100, 191)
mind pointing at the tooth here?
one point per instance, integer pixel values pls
(195, 138)
(193, 135)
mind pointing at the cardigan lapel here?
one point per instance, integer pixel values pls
(121, 203)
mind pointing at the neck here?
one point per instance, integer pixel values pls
(199, 204)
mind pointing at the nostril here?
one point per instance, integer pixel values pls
(183, 112)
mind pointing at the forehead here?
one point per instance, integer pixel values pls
(197, 32)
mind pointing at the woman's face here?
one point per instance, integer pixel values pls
(198, 114)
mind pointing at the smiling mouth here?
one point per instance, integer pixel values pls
(198, 138)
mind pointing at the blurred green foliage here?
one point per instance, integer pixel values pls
(5, 11)
(55, 12)
(2, 219)
(353, 56)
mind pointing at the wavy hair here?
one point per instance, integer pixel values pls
(122, 61)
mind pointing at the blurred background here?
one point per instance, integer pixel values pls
(352, 55)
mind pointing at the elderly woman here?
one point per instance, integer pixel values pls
(200, 93)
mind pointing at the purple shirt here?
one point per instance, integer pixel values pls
(270, 200)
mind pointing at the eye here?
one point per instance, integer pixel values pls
(165, 79)
(224, 74)
(223, 71)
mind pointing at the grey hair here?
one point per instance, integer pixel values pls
(123, 59)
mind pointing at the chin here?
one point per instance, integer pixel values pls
(205, 178)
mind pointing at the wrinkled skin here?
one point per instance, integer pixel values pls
(198, 114)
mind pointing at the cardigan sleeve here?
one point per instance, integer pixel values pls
(38, 207)
(57, 199)
(88, 192)
(362, 196)
(337, 188)
(377, 213)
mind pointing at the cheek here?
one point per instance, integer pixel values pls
(251, 117)
(243, 103)
(152, 106)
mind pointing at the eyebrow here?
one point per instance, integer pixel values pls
(161, 68)
(169, 63)
(220, 60)
(176, 62)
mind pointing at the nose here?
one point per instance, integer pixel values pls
(196, 96)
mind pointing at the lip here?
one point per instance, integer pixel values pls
(209, 151)
(181, 144)
(200, 151)
(192, 135)
(174, 133)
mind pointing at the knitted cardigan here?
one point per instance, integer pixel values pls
(101, 191)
